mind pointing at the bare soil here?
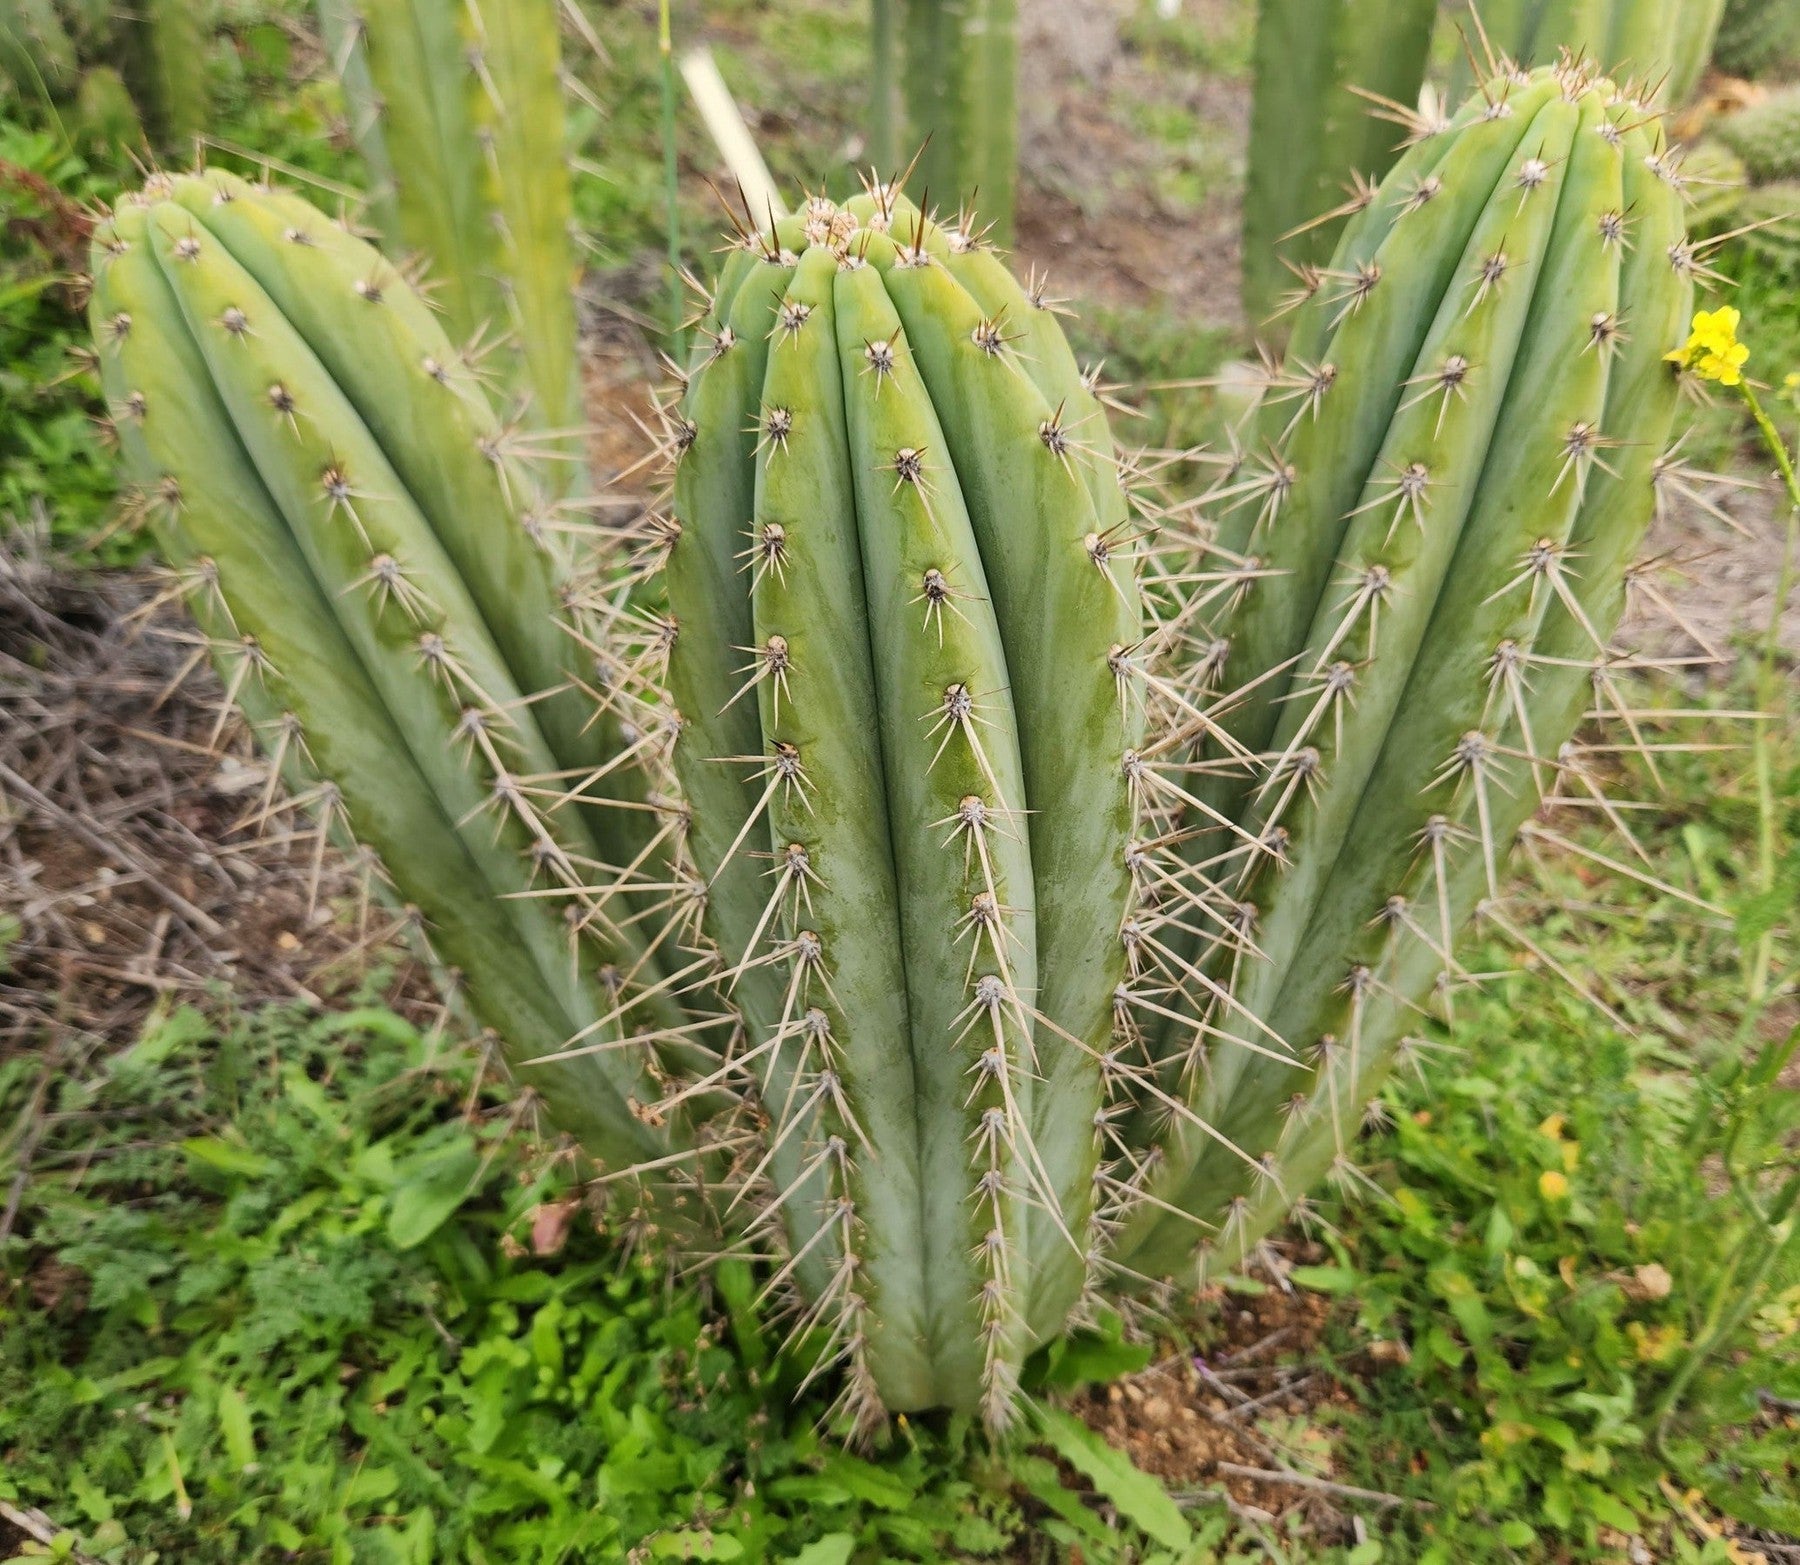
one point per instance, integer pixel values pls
(134, 869)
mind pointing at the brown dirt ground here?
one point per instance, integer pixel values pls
(124, 859)
(1233, 1396)
(1090, 216)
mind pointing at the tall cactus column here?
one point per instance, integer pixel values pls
(457, 106)
(1318, 127)
(332, 486)
(958, 88)
(119, 76)
(1008, 931)
(1476, 502)
(1663, 45)
(931, 622)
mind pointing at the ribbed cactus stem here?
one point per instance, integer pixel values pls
(271, 378)
(959, 89)
(1336, 81)
(1661, 45)
(37, 54)
(457, 107)
(1428, 694)
(924, 527)
(1040, 887)
(162, 55)
(110, 78)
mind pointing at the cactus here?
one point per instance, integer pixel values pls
(1664, 44)
(1426, 563)
(161, 44)
(113, 78)
(958, 89)
(457, 107)
(1743, 182)
(1332, 76)
(1758, 37)
(105, 117)
(336, 496)
(928, 743)
(1027, 955)
(37, 54)
(1766, 136)
(1770, 218)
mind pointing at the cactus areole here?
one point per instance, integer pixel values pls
(1031, 889)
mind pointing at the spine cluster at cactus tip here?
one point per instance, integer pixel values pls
(922, 856)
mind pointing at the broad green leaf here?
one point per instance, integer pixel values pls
(1137, 1497)
(694, 1544)
(833, 1549)
(1092, 1356)
(1326, 1279)
(429, 1193)
(227, 1157)
(234, 1425)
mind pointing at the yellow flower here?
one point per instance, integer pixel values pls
(1712, 350)
(1553, 1185)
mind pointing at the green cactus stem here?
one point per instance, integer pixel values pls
(1766, 136)
(958, 88)
(898, 528)
(1030, 906)
(111, 78)
(37, 56)
(1336, 88)
(346, 515)
(1663, 45)
(1758, 37)
(457, 107)
(1429, 563)
(161, 46)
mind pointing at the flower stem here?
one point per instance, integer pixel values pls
(1768, 691)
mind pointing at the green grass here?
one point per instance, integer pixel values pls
(272, 1296)
(52, 461)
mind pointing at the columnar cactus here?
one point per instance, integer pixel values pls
(37, 52)
(72, 55)
(1758, 37)
(1425, 558)
(161, 54)
(958, 86)
(1662, 44)
(1336, 83)
(360, 544)
(1045, 907)
(902, 615)
(457, 107)
(1765, 136)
